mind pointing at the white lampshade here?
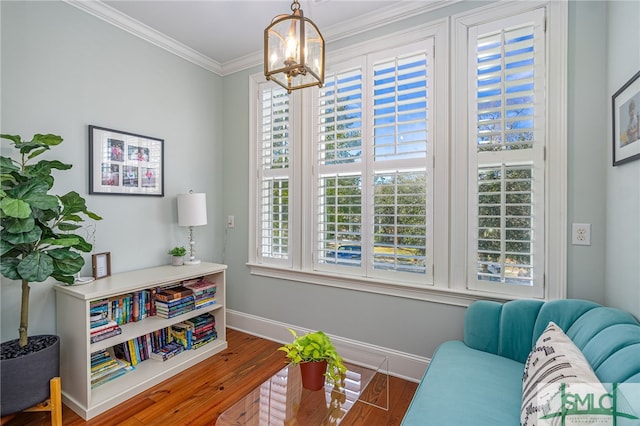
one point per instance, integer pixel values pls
(192, 209)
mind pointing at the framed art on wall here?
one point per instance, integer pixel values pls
(124, 163)
(626, 122)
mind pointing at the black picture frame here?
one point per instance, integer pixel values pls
(626, 122)
(124, 163)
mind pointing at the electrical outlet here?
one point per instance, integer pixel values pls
(581, 234)
(231, 221)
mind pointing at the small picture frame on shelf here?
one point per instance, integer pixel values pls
(101, 264)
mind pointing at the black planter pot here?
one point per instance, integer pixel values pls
(25, 379)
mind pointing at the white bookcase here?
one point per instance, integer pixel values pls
(72, 313)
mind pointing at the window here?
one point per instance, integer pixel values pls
(406, 177)
(506, 98)
(372, 187)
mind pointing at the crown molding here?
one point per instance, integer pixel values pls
(381, 17)
(251, 60)
(114, 17)
(366, 22)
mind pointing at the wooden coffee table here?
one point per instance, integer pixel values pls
(282, 401)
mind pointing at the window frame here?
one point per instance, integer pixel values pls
(450, 271)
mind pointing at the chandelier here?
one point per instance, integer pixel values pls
(294, 51)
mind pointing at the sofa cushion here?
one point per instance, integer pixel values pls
(563, 312)
(464, 386)
(553, 360)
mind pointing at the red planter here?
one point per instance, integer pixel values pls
(313, 374)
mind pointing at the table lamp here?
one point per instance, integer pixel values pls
(192, 211)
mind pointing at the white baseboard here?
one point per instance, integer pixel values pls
(401, 364)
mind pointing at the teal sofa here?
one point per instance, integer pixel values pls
(478, 381)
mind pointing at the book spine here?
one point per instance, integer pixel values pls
(135, 313)
(106, 335)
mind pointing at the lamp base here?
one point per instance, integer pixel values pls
(192, 262)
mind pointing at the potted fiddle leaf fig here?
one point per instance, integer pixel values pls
(37, 242)
(315, 352)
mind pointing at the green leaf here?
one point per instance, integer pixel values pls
(42, 201)
(30, 186)
(64, 226)
(72, 202)
(37, 152)
(66, 261)
(48, 139)
(38, 142)
(15, 208)
(92, 215)
(73, 218)
(82, 245)
(8, 179)
(8, 165)
(8, 267)
(16, 225)
(14, 138)
(62, 241)
(22, 237)
(67, 279)
(36, 267)
(43, 167)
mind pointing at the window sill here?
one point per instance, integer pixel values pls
(435, 294)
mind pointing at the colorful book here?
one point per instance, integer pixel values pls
(168, 351)
(201, 286)
(173, 293)
(105, 335)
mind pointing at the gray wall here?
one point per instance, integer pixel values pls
(623, 182)
(587, 117)
(63, 69)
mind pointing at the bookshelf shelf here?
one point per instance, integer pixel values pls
(135, 329)
(73, 326)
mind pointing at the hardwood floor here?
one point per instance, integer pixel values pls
(198, 395)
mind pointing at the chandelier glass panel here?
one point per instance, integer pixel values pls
(294, 51)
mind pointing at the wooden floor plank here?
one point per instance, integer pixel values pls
(198, 396)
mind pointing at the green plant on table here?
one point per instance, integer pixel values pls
(37, 239)
(178, 251)
(316, 346)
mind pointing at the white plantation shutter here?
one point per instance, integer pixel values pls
(400, 221)
(339, 183)
(274, 173)
(402, 209)
(373, 187)
(506, 113)
(340, 220)
(400, 108)
(340, 119)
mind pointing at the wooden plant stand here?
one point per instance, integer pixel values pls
(53, 404)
